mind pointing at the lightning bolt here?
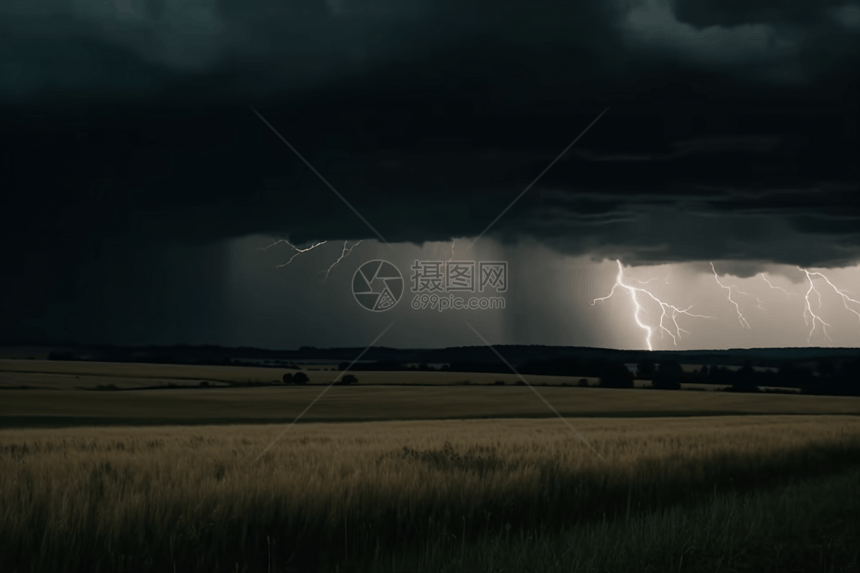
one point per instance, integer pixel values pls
(295, 248)
(741, 319)
(651, 281)
(775, 287)
(345, 253)
(808, 309)
(452, 250)
(619, 282)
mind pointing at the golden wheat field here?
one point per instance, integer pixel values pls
(418, 495)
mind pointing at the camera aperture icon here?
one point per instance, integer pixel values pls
(377, 285)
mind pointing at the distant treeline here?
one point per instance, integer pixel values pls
(517, 355)
(826, 377)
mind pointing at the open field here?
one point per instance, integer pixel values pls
(66, 375)
(511, 493)
(20, 408)
(691, 494)
(70, 374)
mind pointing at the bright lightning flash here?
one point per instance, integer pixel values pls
(666, 281)
(741, 319)
(297, 250)
(776, 287)
(345, 253)
(619, 282)
(808, 309)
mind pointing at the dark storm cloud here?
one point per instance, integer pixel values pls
(728, 13)
(212, 49)
(701, 146)
(127, 131)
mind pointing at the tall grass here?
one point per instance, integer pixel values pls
(804, 526)
(327, 495)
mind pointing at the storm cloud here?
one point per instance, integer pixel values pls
(731, 132)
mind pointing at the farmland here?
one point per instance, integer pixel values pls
(429, 495)
(396, 475)
(49, 393)
(22, 408)
(47, 374)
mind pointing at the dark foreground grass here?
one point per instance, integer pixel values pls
(704, 494)
(803, 526)
(800, 526)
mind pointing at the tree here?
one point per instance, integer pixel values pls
(288, 378)
(615, 375)
(645, 369)
(668, 376)
(745, 379)
(825, 367)
(720, 375)
(670, 367)
(300, 378)
(796, 376)
(347, 380)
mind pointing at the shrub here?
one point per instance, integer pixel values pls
(347, 380)
(204, 383)
(288, 378)
(300, 378)
(615, 375)
(500, 382)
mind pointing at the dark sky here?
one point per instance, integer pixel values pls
(139, 184)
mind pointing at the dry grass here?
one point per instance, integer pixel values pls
(68, 374)
(21, 408)
(150, 499)
(63, 375)
(801, 526)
